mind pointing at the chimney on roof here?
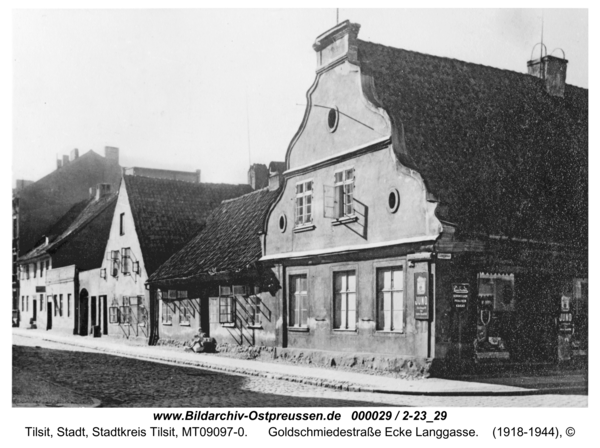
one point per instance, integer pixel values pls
(276, 175)
(337, 44)
(552, 69)
(102, 190)
(258, 176)
(92, 192)
(65, 160)
(111, 153)
(74, 154)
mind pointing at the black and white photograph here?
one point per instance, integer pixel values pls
(297, 224)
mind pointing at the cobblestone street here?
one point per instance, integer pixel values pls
(125, 382)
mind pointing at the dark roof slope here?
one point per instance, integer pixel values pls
(62, 246)
(501, 155)
(230, 241)
(167, 213)
(45, 201)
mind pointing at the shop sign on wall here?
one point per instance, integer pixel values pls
(421, 296)
(460, 295)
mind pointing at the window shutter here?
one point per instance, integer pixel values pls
(329, 208)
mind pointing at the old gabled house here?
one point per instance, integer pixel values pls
(154, 218)
(215, 282)
(433, 208)
(68, 256)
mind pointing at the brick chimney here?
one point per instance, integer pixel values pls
(276, 170)
(111, 153)
(336, 45)
(553, 70)
(258, 176)
(102, 190)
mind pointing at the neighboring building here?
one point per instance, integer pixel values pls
(38, 205)
(154, 218)
(186, 176)
(54, 271)
(433, 208)
(215, 281)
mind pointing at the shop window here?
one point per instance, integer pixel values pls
(390, 299)
(185, 311)
(298, 301)
(498, 289)
(168, 309)
(344, 304)
(304, 196)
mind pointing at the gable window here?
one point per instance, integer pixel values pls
(168, 310)
(344, 304)
(390, 299)
(304, 196)
(344, 192)
(122, 224)
(115, 263)
(298, 301)
(126, 260)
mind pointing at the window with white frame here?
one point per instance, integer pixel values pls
(125, 314)
(298, 301)
(113, 315)
(344, 192)
(227, 303)
(344, 304)
(115, 263)
(390, 299)
(254, 312)
(185, 311)
(304, 196)
(126, 260)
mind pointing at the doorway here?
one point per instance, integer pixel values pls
(49, 316)
(83, 312)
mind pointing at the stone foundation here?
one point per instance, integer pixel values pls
(388, 365)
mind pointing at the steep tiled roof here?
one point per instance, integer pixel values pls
(75, 225)
(502, 155)
(230, 241)
(167, 213)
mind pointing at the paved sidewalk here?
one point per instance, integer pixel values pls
(338, 379)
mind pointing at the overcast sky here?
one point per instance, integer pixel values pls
(213, 89)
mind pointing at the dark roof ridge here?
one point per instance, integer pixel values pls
(459, 61)
(244, 195)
